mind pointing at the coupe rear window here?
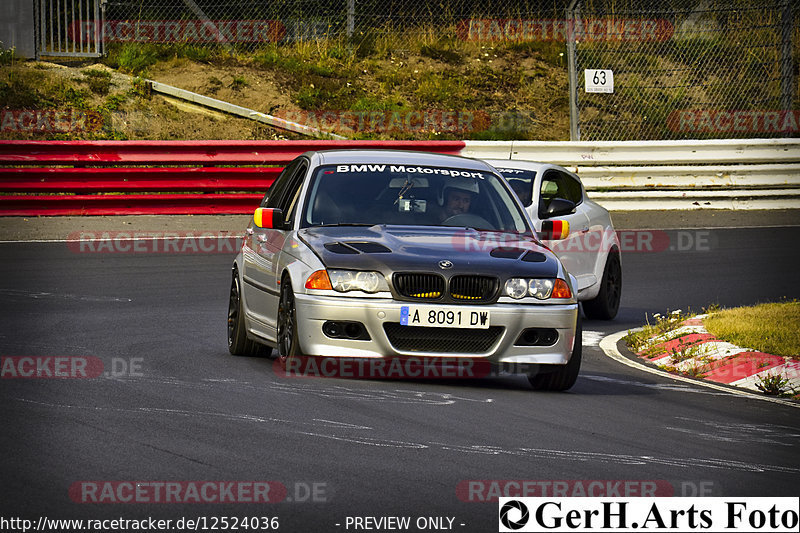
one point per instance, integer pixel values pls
(411, 195)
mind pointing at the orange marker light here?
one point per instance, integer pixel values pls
(561, 290)
(319, 280)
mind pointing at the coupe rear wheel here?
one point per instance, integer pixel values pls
(566, 375)
(288, 345)
(238, 343)
(606, 304)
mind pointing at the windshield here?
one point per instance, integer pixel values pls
(411, 196)
(521, 181)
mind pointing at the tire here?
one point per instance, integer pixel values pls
(288, 335)
(606, 304)
(238, 343)
(565, 376)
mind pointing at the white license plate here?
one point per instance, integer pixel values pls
(443, 317)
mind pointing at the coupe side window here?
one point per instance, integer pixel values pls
(556, 184)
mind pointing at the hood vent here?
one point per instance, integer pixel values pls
(530, 256)
(534, 257)
(369, 247)
(506, 253)
(356, 248)
(340, 248)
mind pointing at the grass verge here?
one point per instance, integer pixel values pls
(772, 328)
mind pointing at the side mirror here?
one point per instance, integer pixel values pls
(558, 208)
(268, 218)
(554, 230)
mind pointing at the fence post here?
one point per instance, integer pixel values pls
(100, 27)
(574, 128)
(351, 15)
(787, 67)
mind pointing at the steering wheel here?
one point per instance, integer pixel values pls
(468, 220)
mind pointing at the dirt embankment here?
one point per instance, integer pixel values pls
(505, 93)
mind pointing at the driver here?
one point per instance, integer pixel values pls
(457, 197)
(523, 190)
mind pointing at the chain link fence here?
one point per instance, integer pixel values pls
(681, 69)
(251, 23)
(687, 69)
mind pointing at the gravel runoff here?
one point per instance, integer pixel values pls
(60, 228)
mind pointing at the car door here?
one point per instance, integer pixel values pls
(555, 183)
(263, 248)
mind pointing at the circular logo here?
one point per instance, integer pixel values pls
(445, 264)
(523, 512)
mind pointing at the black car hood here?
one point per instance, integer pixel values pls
(389, 249)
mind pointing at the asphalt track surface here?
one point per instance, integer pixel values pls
(192, 412)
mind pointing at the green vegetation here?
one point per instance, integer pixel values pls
(771, 328)
(239, 83)
(99, 80)
(430, 71)
(137, 58)
(775, 385)
(506, 90)
(85, 103)
(6, 55)
(35, 89)
(514, 89)
(662, 325)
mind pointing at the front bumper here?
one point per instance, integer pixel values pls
(314, 310)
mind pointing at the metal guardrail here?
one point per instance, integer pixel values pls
(641, 153)
(180, 177)
(631, 178)
(647, 175)
(110, 153)
(240, 111)
(107, 180)
(231, 176)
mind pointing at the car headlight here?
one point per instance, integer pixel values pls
(541, 289)
(352, 280)
(516, 288)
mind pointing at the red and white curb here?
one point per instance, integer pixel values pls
(734, 364)
(692, 350)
